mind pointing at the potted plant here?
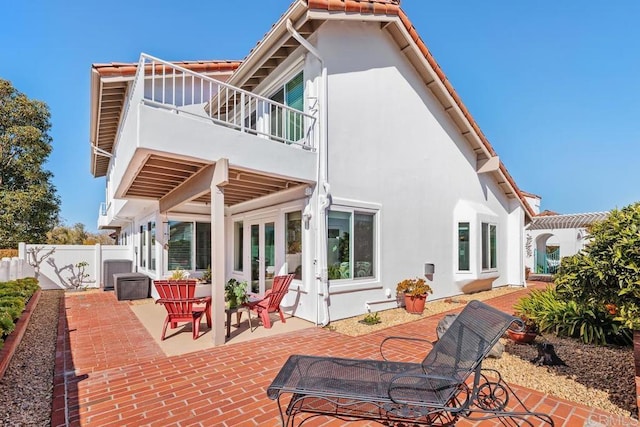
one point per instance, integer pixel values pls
(527, 334)
(206, 276)
(415, 294)
(179, 274)
(235, 293)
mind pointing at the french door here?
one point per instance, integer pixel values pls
(263, 254)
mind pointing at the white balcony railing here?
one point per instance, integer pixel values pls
(170, 86)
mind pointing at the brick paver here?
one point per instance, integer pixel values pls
(110, 372)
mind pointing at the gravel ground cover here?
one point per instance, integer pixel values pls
(27, 386)
(601, 377)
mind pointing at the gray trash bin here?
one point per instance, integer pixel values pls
(130, 286)
(111, 267)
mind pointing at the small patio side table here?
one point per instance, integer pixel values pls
(237, 310)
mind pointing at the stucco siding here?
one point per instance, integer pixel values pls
(392, 144)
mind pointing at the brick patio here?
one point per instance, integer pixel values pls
(110, 372)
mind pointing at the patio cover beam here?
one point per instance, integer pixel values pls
(192, 188)
(219, 179)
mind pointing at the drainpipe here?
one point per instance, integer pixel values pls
(324, 189)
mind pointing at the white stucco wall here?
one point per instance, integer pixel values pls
(391, 144)
(570, 240)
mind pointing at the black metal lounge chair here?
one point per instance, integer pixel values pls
(447, 385)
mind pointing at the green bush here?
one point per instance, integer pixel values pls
(606, 274)
(589, 323)
(13, 298)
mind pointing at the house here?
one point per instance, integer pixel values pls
(551, 236)
(337, 150)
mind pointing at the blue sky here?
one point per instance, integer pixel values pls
(555, 86)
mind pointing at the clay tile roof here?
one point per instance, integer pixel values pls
(124, 69)
(377, 7)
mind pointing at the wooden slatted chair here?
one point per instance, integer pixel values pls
(270, 303)
(177, 296)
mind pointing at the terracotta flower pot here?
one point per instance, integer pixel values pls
(414, 304)
(523, 337)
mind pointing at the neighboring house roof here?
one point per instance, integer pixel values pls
(580, 220)
(277, 44)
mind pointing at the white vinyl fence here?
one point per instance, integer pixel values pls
(55, 266)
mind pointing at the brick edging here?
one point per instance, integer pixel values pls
(13, 340)
(59, 413)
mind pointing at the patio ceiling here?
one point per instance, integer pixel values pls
(160, 175)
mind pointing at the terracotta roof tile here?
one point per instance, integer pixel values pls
(377, 7)
(121, 69)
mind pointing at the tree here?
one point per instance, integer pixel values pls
(606, 275)
(29, 206)
(76, 235)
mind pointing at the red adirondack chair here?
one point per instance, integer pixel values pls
(271, 301)
(177, 296)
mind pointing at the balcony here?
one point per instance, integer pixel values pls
(176, 122)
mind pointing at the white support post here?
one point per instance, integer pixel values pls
(219, 180)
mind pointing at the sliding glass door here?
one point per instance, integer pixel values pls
(263, 254)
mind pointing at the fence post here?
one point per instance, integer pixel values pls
(22, 250)
(98, 265)
(4, 270)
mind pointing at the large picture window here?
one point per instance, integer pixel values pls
(180, 245)
(350, 245)
(294, 244)
(489, 246)
(463, 246)
(203, 245)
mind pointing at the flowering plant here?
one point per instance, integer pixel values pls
(414, 287)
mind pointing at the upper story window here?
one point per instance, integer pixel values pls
(351, 244)
(489, 246)
(284, 123)
(463, 246)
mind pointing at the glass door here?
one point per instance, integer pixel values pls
(263, 255)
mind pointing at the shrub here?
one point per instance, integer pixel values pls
(592, 324)
(13, 298)
(607, 272)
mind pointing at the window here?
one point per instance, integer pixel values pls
(463, 246)
(284, 123)
(143, 253)
(180, 240)
(294, 243)
(238, 245)
(489, 246)
(350, 257)
(152, 245)
(203, 245)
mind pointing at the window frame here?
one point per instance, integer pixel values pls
(486, 245)
(468, 257)
(353, 211)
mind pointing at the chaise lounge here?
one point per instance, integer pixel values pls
(448, 385)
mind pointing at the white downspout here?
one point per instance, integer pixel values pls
(324, 189)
